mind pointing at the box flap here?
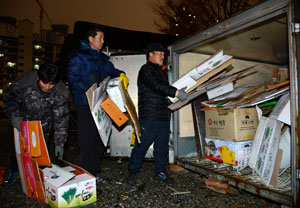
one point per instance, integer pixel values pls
(56, 175)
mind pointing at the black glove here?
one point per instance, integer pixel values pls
(182, 95)
(15, 122)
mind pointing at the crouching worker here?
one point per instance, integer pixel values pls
(38, 95)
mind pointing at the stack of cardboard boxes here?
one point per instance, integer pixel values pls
(230, 134)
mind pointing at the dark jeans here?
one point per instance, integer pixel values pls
(90, 144)
(152, 131)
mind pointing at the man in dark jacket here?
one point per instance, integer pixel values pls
(88, 66)
(154, 115)
(39, 95)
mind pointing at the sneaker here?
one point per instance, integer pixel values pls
(102, 179)
(11, 178)
(162, 176)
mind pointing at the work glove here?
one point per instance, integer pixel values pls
(59, 152)
(182, 95)
(15, 122)
(125, 80)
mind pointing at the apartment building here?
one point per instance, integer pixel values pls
(22, 50)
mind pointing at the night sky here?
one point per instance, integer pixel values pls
(126, 14)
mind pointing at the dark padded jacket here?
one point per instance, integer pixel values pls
(86, 67)
(153, 90)
(26, 100)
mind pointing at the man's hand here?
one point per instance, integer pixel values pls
(125, 80)
(15, 122)
(59, 152)
(181, 94)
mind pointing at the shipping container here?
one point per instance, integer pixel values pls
(265, 36)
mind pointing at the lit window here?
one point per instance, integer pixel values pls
(176, 24)
(38, 47)
(11, 64)
(177, 34)
(190, 15)
(1, 91)
(36, 59)
(1, 54)
(36, 66)
(1, 42)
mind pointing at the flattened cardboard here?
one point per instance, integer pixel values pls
(131, 111)
(114, 112)
(95, 96)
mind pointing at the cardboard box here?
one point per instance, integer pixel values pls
(70, 186)
(264, 156)
(231, 125)
(95, 96)
(234, 153)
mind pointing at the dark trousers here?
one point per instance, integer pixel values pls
(152, 131)
(90, 144)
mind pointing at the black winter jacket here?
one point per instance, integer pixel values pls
(153, 90)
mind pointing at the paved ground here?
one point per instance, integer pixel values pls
(188, 190)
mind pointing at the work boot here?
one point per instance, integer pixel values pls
(162, 176)
(11, 178)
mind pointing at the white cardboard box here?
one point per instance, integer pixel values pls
(265, 148)
(234, 153)
(69, 187)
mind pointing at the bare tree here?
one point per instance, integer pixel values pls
(185, 17)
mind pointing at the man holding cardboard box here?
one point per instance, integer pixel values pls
(42, 96)
(87, 66)
(154, 115)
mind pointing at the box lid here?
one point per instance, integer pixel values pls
(56, 175)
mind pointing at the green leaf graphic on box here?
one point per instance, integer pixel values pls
(216, 63)
(259, 163)
(69, 195)
(267, 132)
(99, 116)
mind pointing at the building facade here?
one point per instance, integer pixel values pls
(21, 50)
